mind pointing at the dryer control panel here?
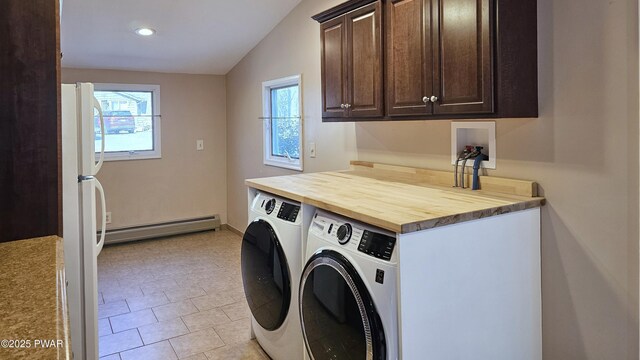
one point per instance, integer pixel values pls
(288, 212)
(275, 207)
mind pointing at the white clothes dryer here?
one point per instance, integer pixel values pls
(348, 291)
(271, 266)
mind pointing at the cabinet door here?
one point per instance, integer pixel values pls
(334, 68)
(463, 67)
(409, 56)
(364, 59)
(30, 196)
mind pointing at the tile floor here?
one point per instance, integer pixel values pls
(174, 298)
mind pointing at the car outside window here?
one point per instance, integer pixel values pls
(131, 116)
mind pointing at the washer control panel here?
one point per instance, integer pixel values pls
(344, 233)
(354, 236)
(376, 244)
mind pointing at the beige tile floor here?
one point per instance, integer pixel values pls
(174, 298)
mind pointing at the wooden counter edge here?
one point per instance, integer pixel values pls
(469, 216)
(405, 227)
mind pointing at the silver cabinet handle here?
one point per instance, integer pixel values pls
(434, 99)
(425, 99)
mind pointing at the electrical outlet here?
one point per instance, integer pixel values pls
(199, 145)
(312, 150)
(109, 217)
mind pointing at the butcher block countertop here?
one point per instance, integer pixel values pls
(34, 321)
(402, 199)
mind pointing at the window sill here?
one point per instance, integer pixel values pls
(284, 165)
(125, 157)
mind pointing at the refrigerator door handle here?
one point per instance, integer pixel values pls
(104, 216)
(96, 105)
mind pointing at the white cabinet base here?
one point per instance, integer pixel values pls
(472, 290)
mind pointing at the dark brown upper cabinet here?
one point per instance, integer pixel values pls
(439, 57)
(409, 57)
(334, 68)
(462, 66)
(30, 162)
(443, 59)
(352, 64)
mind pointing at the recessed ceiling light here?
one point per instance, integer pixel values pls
(145, 32)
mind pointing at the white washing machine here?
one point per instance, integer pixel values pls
(271, 267)
(348, 291)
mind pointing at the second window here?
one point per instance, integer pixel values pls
(282, 108)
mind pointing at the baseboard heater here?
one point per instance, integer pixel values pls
(134, 233)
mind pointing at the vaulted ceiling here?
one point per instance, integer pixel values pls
(192, 36)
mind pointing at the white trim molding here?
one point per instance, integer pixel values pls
(268, 158)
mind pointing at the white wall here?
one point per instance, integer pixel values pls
(583, 151)
(291, 48)
(185, 183)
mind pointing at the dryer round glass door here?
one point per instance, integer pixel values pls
(265, 275)
(339, 319)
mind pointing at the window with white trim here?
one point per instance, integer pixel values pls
(282, 111)
(131, 116)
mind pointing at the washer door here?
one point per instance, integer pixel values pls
(339, 319)
(265, 275)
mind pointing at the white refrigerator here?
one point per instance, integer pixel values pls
(79, 189)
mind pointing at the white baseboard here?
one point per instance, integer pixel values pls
(114, 236)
